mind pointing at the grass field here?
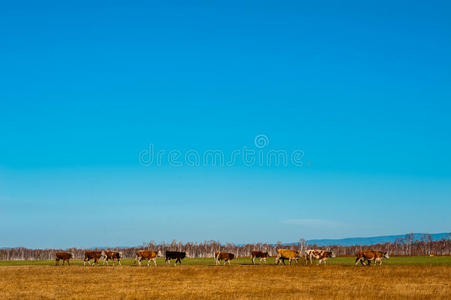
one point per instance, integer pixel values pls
(398, 277)
(343, 261)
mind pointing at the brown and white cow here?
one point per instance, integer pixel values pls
(225, 256)
(283, 254)
(94, 255)
(370, 255)
(64, 256)
(320, 255)
(148, 255)
(113, 255)
(259, 254)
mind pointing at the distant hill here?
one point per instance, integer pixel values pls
(372, 240)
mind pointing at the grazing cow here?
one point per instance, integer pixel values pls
(93, 254)
(320, 255)
(283, 254)
(259, 254)
(113, 255)
(64, 256)
(370, 255)
(226, 257)
(178, 256)
(148, 255)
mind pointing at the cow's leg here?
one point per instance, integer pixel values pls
(57, 261)
(155, 261)
(253, 260)
(68, 263)
(357, 259)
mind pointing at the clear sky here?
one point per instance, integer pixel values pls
(362, 90)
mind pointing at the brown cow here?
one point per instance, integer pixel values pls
(93, 254)
(147, 255)
(113, 255)
(320, 255)
(370, 255)
(283, 254)
(64, 256)
(259, 254)
(225, 256)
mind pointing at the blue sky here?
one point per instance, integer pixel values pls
(362, 89)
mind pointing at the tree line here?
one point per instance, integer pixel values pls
(402, 246)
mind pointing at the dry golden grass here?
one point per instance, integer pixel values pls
(183, 282)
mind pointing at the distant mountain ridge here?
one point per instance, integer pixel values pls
(359, 241)
(372, 240)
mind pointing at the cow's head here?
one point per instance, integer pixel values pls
(159, 254)
(120, 254)
(186, 254)
(386, 255)
(103, 254)
(332, 254)
(72, 256)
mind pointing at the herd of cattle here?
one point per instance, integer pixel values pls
(94, 256)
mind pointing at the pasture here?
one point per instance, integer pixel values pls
(398, 277)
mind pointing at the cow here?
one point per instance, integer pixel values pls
(113, 255)
(64, 256)
(178, 256)
(370, 255)
(225, 256)
(320, 255)
(93, 254)
(259, 254)
(148, 255)
(283, 254)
